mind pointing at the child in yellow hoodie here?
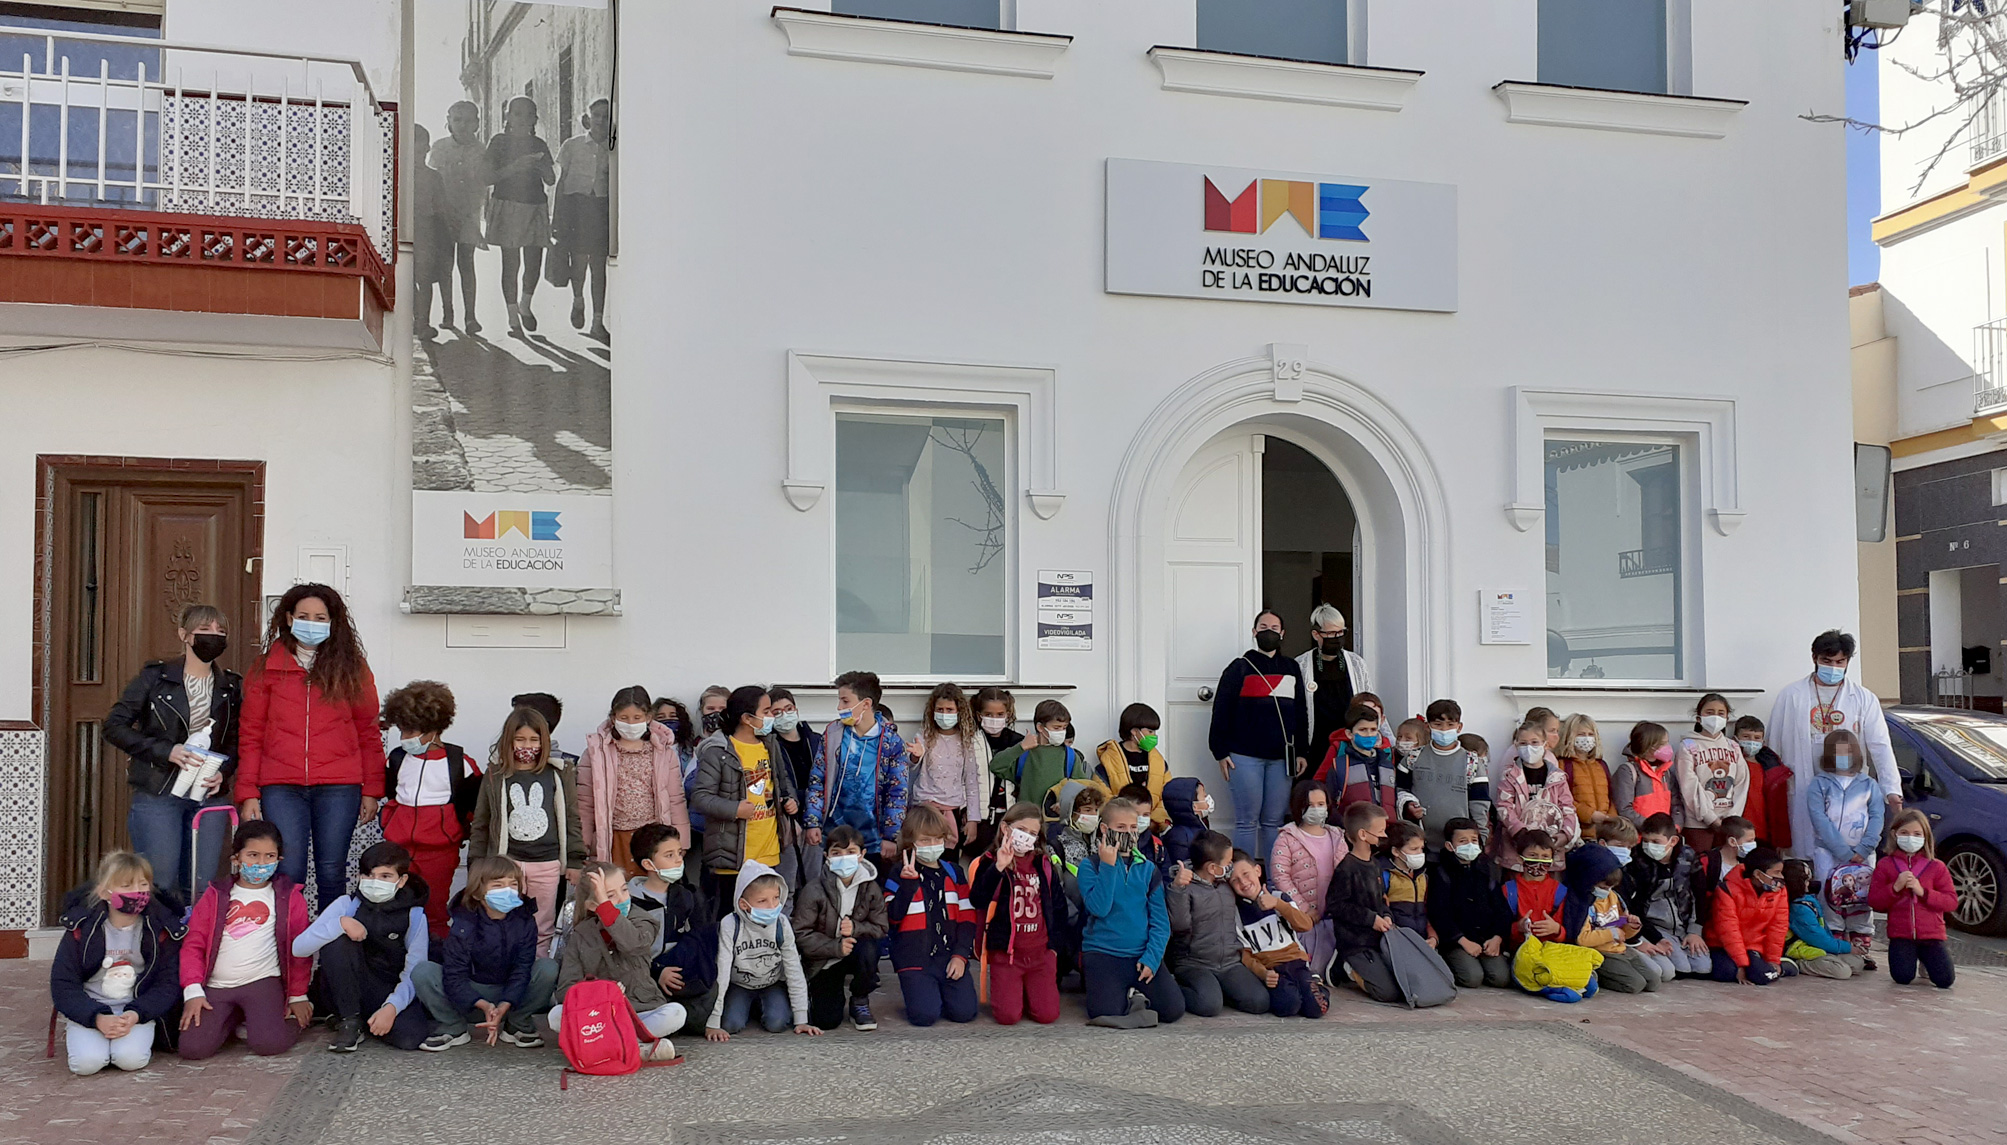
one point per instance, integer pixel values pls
(1594, 915)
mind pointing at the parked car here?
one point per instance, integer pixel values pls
(1954, 769)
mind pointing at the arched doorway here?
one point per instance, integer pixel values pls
(1187, 526)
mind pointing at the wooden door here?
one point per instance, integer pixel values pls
(132, 546)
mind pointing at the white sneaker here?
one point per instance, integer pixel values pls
(438, 1043)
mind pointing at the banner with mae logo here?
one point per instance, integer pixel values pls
(511, 540)
(1262, 235)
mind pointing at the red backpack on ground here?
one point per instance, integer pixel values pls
(601, 1034)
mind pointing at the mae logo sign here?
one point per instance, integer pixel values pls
(1252, 235)
(511, 540)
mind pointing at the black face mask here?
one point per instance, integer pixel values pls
(1268, 640)
(1331, 645)
(713, 721)
(209, 645)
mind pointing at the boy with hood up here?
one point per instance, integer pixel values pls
(758, 961)
(1186, 802)
(1594, 916)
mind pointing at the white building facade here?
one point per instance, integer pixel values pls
(1529, 355)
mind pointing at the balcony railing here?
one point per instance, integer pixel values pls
(98, 123)
(1646, 562)
(1989, 131)
(1989, 368)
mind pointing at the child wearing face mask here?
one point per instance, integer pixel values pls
(1588, 776)
(1914, 889)
(1189, 809)
(1036, 767)
(1470, 916)
(1482, 807)
(1071, 841)
(1363, 764)
(838, 922)
(1768, 774)
(1205, 951)
(1270, 923)
(1646, 783)
(1023, 913)
(1357, 906)
(1125, 929)
(1533, 795)
(1659, 882)
(609, 941)
(996, 718)
(1147, 839)
(1596, 917)
(1845, 807)
(1816, 950)
(430, 789)
(670, 891)
(1135, 758)
(1306, 854)
(759, 962)
(1532, 893)
(1408, 740)
(527, 809)
(238, 969)
(491, 975)
(1404, 872)
(631, 775)
(951, 763)
(369, 943)
(1750, 922)
(1441, 778)
(116, 971)
(1712, 867)
(1713, 775)
(934, 935)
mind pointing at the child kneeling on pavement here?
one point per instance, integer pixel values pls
(369, 943)
(669, 891)
(1749, 922)
(758, 962)
(117, 970)
(1126, 928)
(609, 941)
(1595, 917)
(838, 922)
(491, 974)
(1816, 950)
(933, 926)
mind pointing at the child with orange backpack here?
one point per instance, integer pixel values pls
(1024, 915)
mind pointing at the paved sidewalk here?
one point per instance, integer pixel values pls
(1857, 1061)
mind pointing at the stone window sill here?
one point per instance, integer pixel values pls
(822, 35)
(1553, 105)
(1291, 81)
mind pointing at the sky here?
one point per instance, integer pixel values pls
(1864, 190)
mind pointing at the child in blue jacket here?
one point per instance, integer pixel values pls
(1127, 926)
(1187, 803)
(1815, 949)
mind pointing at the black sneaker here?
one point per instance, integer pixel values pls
(860, 1015)
(444, 1041)
(348, 1036)
(527, 1039)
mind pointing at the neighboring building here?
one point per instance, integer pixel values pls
(1874, 425)
(1513, 329)
(1939, 308)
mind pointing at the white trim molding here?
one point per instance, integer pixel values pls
(1291, 81)
(1708, 423)
(1671, 706)
(1034, 55)
(1555, 105)
(817, 382)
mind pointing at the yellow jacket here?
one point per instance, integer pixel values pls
(1114, 774)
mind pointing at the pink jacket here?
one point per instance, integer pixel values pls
(598, 777)
(1909, 917)
(1551, 809)
(205, 935)
(1294, 870)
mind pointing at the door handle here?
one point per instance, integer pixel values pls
(1205, 694)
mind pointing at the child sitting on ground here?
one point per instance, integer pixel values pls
(369, 943)
(238, 969)
(934, 937)
(1126, 928)
(1749, 922)
(1149, 841)
(1269, 925)
(1532, 894)
(1467, 910)
(1205, 950)
(758, 961)
(669, 891)
(1405, 868)
(1187, 805)
(839, 919)
(1595, 917)
(1357, 906)
(609, 941)
(1024, 912)
(1712, 866)
(1659, 881)
(491, 973)
(116, 971)
(1814, 948)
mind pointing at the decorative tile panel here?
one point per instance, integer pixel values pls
(23, 778)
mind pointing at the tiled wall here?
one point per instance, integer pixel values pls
(21, 784)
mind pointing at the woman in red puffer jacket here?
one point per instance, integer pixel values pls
(310, 754)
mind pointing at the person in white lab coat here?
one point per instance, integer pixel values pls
(1822, 702)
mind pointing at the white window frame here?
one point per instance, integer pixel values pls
(1704, 428)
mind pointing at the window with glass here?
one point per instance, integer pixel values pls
(1313, 30)
(922, 545)
(68, 147)
(956, 13)
(1619, 45)
(1615, 560)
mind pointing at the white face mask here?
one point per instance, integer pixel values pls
(1623, 854)
(786, 721)
(376, 890)
(1086, 824)
(412, 746)
(1416, 860)
(1316, 815)
(1202, 806)
(1531, 753)
(1468, 852)
(1585, 746)
(1910, 844)
(946, 721)
(1407, 747)
(995, 725)
(1750, 747)
(1658, 851)
(630, 731)
(1712, 725)
(1746, 846)
(1023, 841)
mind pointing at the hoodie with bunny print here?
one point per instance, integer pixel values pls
(530, 816)
(753, 955)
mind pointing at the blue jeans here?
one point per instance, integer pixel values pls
(160, 825)
(428, 979)
(324, 813)
(776, 1012)
(1260, 798)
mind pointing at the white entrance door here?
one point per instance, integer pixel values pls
(1212, 572)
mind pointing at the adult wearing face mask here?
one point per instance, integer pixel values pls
(1810, 709)
(631, 776)
(1334, 675)
(173, 719)
(1260, 734)
(310, 756)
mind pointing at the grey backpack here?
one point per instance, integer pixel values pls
(1424, 978)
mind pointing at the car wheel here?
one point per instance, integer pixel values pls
(1979, 876)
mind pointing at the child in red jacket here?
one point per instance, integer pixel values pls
(237, 963)
(1750, 922)
(429, 791)
(1915, 891)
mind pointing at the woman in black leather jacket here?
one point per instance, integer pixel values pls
(169, 716)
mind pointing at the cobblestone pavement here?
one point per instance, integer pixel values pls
(498, 413)
(1802, 1061)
